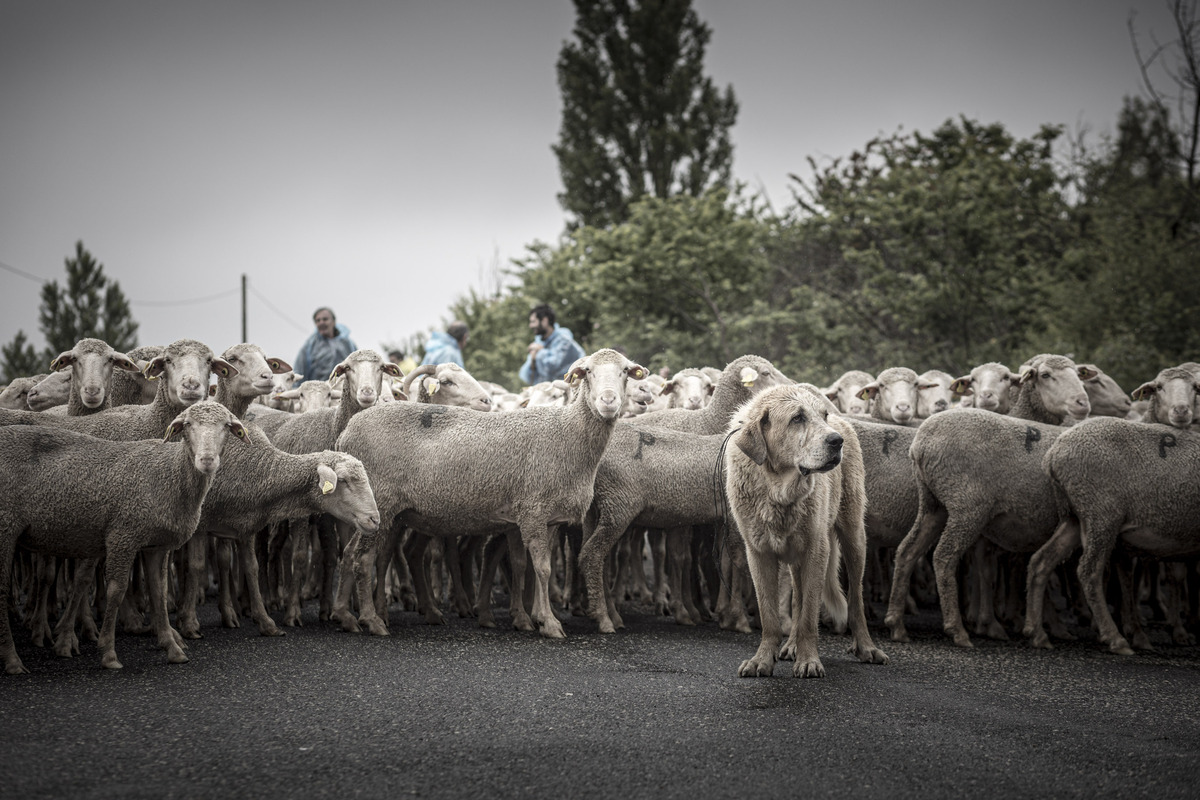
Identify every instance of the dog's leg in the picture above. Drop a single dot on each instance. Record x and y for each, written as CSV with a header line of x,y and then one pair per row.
x,y
764,571
808,582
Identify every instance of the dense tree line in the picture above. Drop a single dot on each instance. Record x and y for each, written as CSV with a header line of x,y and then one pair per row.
x,y
940,250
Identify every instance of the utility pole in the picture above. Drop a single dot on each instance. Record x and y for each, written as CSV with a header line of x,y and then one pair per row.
x,y
245,338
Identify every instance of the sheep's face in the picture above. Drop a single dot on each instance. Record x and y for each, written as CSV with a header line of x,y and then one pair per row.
x,y
602,377
346,491
16,395
1059,383
787,429
205,427
451,385
53,390
689,389
754,373
549,393
185,368
894,394
1105,396
844,393
92,362
363,372
933,393
988,386
1174,394
255,371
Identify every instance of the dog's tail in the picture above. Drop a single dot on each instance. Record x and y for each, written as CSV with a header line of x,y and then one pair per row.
x,y
834,595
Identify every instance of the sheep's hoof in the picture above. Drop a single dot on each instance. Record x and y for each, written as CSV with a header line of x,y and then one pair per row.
x,y
605,626
486,620
434,617
961,639
13,666
66,645
292,619
189,628
552,629
617,621
869,654
273,630
756,668
230,619
176,656
1142,642
1039,639
348,622
375,626
522,622
109,661
809,669
1121,648
1181,637
994,630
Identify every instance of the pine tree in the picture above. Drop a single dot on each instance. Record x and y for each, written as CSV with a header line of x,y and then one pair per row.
x,y
89,305
18,358
639,116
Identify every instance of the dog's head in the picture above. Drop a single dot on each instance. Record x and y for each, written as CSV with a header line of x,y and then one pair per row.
x,y
786,428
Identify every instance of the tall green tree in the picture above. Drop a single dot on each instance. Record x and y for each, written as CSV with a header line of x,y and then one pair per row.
x,y
88,305
639,115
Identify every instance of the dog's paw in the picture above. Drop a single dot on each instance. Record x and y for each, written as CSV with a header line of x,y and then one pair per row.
x,y
809,669
756,668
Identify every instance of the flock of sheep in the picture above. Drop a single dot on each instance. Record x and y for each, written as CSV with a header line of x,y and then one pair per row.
x,y
374,488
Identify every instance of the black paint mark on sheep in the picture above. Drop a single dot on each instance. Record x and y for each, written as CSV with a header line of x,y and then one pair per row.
x,y
427,416
1031,435
888,438
1165,441
643,439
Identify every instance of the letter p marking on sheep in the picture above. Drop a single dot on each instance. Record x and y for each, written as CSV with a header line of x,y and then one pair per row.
x,y
888,438
1031,435
1165,441
643,439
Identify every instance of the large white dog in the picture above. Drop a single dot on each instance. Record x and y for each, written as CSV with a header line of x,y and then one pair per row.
x,y
794,480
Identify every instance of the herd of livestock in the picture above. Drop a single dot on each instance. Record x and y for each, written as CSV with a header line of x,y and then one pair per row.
x,y
134,484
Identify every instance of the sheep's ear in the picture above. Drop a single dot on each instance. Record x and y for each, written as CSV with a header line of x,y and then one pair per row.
x,y
927,385
223,367
212,390
962,386
1086,372
667,388
290,394
749,376
154,368
753,441
122,361
238,429
1144,391
175,427
637,372
392,369
297,376
868,392
340,369
575,376
430,385
335,394
63,361
1028,373
327,478
279,366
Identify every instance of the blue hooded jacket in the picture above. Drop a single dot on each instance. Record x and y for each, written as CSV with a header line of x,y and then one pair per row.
x,y
442,348
318,356
559,352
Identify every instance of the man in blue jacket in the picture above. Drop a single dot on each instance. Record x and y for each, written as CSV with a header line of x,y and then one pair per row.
x,y
553,349
325,349
443,348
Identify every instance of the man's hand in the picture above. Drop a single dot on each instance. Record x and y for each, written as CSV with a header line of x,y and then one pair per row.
x,y
534,349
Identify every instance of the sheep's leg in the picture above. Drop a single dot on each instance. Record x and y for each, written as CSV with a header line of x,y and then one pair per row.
x,y
157,564
924,533
387,539
458,593
132,609
1131,616
658,551
1041,565
468,555
764,571
1098,545
225,603
363,549
987,558
960,534
297,536
521,619
593,555
577,603
639,589
348,575
39,621
493,550
9,531
706,567
427,605
118,565
610,597
677,544
331,545
536,537
556,558
1175,579
258,610
193,585
404,578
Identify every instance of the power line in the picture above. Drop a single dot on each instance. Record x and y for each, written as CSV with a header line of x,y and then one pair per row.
x,y
190,302
278,313
20,272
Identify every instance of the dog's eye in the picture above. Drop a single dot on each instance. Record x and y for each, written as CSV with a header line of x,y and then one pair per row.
x,y
798,419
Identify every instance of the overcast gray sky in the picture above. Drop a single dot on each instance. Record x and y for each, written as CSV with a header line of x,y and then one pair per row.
x,y
381,157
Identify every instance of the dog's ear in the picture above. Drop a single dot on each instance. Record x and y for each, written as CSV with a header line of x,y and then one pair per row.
x,y
753,441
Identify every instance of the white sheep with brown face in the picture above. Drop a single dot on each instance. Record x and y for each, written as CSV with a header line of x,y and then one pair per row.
x,y
794,483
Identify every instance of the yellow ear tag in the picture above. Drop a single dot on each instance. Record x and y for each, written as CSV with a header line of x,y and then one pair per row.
x,y
326,487
748,384
434,388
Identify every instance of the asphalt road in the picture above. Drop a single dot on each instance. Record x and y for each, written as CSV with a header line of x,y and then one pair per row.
x,y
656,710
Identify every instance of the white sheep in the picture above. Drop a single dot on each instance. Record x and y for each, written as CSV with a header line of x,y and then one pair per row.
x,y
988,387
844,393
67,494
933,393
